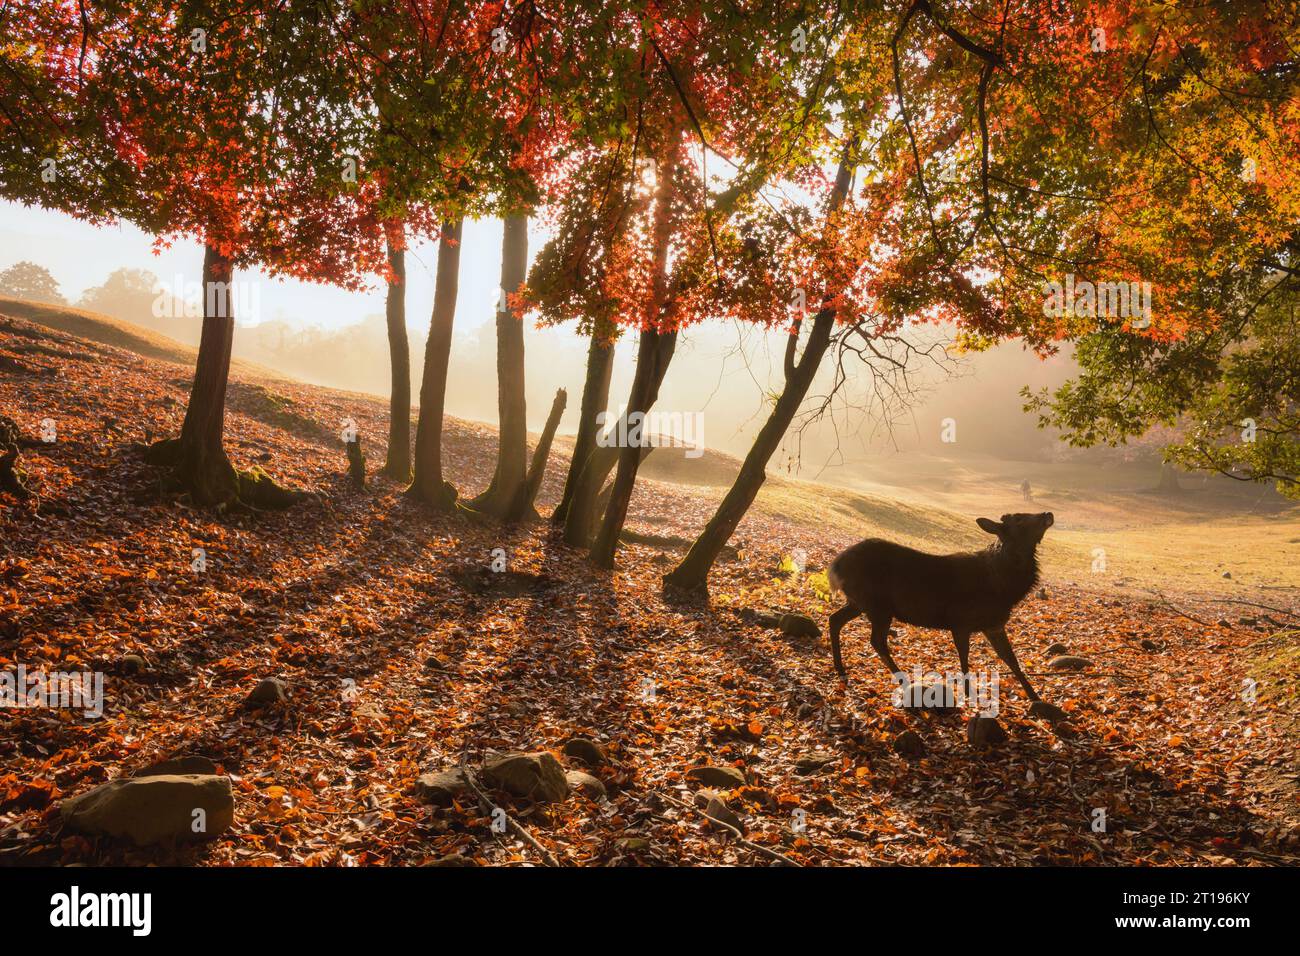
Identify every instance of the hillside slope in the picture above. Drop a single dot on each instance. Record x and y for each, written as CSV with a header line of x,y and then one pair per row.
x,y
403,652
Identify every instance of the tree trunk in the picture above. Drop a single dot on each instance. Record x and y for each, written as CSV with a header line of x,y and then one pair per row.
x,y
427,483
512,414
398,463
584,476
654,353
523,504
692,573
201,462
1169,480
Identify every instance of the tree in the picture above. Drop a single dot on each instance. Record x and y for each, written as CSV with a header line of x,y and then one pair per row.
x,y
398,463
204,122
1196,199
127,294
27,280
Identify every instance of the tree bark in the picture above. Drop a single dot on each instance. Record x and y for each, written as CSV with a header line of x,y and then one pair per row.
x,y
522,506
201,462
654,352
427,483
580,486
397,465
692,573
512,413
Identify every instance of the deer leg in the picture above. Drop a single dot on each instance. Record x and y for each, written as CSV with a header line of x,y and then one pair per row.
x,y
962,640
841,617
1002,647
880,641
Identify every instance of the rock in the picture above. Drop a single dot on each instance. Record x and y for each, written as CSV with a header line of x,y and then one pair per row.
x,y
588,751
799,625
984,732
179,765
718,810
1227,574
723,778
536,776
133,664
813,763
931,693
1049,712
909,744
1067,662
1150,645
441,788
1057,649
589,785
156,809
703,796
270,690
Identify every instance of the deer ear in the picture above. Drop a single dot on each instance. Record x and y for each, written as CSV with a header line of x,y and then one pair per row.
x,y
989,525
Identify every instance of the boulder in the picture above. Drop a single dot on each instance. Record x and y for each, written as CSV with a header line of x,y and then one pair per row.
x,y
909,744
270,690
722,778
154,809
441,787
178,765
1057,649
799,625
1068,662
588,751
984,732
589,785
536,776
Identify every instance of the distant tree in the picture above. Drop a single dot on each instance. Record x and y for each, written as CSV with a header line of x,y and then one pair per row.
x,y
27,280
127,294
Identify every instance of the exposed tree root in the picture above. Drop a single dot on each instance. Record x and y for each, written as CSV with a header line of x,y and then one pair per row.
x,y
253,488
257,489
11,478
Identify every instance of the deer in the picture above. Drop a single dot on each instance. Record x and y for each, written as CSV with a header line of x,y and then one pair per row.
x,y
962,593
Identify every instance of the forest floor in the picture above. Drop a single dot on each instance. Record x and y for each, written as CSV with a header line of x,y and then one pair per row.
x,y
404,653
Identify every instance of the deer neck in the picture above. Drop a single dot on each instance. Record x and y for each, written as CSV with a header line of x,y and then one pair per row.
x,y
1015,570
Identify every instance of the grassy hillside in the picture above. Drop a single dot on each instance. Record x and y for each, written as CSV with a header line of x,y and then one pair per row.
x,y
97,327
